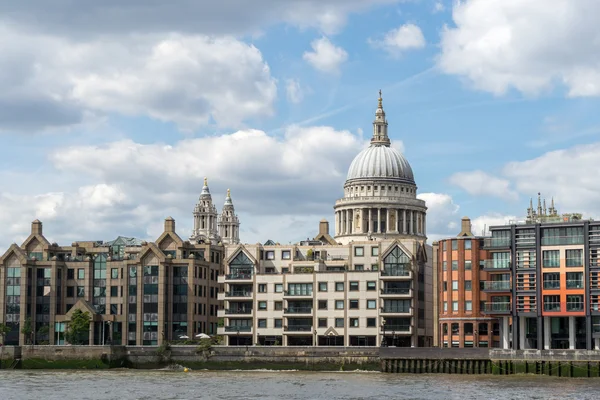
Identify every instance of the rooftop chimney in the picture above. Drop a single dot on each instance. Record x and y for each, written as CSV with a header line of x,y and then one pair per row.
x,y
465,226
169,224
36,227
323,227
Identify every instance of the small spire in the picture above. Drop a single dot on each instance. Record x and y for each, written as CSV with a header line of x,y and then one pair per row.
x,y
228,198
205,181
228,193
380,104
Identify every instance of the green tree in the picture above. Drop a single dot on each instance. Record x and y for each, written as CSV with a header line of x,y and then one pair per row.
x,y
79,327
4,329
27,330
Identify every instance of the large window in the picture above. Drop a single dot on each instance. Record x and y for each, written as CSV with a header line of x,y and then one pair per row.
x,y
552,280
300,289
574,258
551,258
241,266
562,236
396,263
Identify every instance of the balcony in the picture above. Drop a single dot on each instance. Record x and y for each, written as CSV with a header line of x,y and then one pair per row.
x,y
562,240
238,293
238,277
574,306
552,284
236,329
395,291
552,306
396,272
298,310
396,310
287,293
497,286
496,265
299,328
396,329
238,311
497,243
574,283
493,307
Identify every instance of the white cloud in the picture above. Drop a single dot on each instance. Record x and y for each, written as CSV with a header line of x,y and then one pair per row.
x,y
480,183
325,57
525,44
442,215
294,92
438,7
97,192
405,37
188,80
480,226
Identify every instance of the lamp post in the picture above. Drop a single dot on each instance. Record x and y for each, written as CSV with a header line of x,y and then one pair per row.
x,y
476,337
383,343
315,333
393,338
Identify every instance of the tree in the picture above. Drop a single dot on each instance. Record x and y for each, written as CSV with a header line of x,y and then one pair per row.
x,y
27,330
4,329
79,327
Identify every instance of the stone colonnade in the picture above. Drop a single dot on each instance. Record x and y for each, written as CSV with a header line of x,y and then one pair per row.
x,y
380,220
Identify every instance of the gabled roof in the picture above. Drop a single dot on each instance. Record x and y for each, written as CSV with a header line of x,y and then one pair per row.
x,y
152,248
17,251
393,245
40,238
269,243
331,332
82,305
174,236
326,237
241,248
124,241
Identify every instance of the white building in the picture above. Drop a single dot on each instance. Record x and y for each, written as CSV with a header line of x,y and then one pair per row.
x,y
372,280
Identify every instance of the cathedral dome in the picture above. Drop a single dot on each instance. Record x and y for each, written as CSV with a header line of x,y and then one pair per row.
x,y
380,162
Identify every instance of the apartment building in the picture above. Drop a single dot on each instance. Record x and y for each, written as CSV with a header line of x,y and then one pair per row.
x,y
545,274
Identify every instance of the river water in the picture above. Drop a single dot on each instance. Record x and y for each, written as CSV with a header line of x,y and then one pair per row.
x,y
240,385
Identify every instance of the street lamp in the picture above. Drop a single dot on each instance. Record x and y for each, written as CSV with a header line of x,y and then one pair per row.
x,y
383,343
315,333
476,337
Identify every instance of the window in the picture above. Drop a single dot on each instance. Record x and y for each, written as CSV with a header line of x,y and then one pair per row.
x,y
371,304
278,305
114,309
322,304
371,322
374,267
262,288
339,322
468,285
575,302
322,286
70,291
574,280
445,306
574,258
286,255
70,273
322,322
339,286
444,265
454,306
339,304
270,255
278,323
374,251
454,265
262,305
262,323
359,267
445,284
353,322
114,273
359,251
455,244
353,286
468,305
552,303
300,289
468,327
81,273
551,258
353,304
552,280
468,265
80,291
454,285
114,291
468,244
371,285
278,287
444,246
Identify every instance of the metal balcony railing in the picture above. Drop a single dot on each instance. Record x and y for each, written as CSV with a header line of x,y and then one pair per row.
x,y
496,242
298,310
238,293
238,328
574,283
497,307
396,328
292,293
396,310
496,285
574,306
562,240
393,290
396,272
496,264
238,311
238,276
552,306
299,328
552,284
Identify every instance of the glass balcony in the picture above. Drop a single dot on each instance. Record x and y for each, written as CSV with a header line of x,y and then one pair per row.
x,y
562,240
239,276
552,306
496,264
497,307
238,328
238,293
299,328
238,311
298,310
293,293
396,310
574,283
396,328
574,306
393,290
551,284
395,272
496,242
497,285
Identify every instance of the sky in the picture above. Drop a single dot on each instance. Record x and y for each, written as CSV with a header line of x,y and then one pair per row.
x,y
112,113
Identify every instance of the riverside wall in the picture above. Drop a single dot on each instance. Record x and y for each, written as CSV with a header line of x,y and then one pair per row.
x,y
564,363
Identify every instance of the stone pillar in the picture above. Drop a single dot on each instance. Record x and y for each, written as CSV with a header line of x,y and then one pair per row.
x,y
522,338
505,332
370,221
336,224
424,224
387,220
596,343
571,333
346,225
379,220
404,221
547,327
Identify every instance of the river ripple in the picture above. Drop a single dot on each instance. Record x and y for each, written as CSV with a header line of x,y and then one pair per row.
x,y
238,385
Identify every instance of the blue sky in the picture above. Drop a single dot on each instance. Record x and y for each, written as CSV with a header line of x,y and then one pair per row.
x,y
111,115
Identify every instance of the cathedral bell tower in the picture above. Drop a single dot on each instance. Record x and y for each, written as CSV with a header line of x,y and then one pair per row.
x,y
205,218
229,224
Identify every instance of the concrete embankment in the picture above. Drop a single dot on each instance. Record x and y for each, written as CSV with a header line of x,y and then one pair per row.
x,y
565,363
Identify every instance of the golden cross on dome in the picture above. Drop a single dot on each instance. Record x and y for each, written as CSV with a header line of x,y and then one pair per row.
x,y
380,100
205,181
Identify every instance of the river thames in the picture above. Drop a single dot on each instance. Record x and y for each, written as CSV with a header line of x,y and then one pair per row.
x,y
238,385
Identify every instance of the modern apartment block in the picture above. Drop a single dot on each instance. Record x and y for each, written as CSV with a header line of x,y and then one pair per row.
x,y
461,290
544,274
137,293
